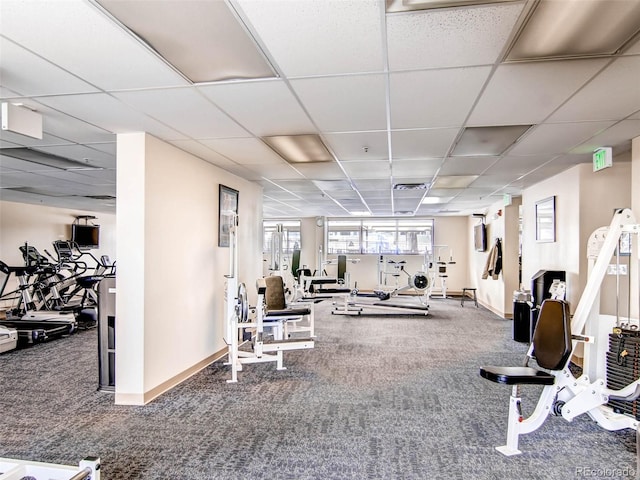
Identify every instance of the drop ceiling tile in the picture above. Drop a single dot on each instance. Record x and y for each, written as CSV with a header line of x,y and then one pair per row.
x,y
318,37
437,98
76,177
64,126
280,195
449,38
17,164
572,159
372,185
557,138
264,108
28,74
86,44
445,192
61,127
9,138
494,182
110,114
612,95
426,143
185,110
342,104
418,169
201,151
244,151
106,147
473,193
409,194
297,186
104,176
321,171
405,204
454,181
517,165
83,154
619,135
351,146
526,93
367,169
275,172
467,165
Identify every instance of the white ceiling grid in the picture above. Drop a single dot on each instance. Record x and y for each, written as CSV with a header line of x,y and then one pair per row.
x,y
389,94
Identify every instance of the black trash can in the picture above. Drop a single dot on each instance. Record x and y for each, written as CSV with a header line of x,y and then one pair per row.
x,y
522,316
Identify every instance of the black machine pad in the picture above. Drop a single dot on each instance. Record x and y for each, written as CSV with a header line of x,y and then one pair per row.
x,y
517,376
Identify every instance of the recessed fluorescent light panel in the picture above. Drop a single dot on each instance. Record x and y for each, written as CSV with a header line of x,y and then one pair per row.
x,y
434,200
205,41
491,141
454,181
408,5
576,28
300,148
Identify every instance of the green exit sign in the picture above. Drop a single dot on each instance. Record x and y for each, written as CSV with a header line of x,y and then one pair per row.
x,y
602,158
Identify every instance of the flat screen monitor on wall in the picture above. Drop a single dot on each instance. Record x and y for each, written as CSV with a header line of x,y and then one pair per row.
x,y
86,236
480,237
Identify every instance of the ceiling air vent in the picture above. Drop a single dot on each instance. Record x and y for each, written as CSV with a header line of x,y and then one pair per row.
x,y
410,186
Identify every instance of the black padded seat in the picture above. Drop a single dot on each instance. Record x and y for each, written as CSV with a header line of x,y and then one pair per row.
x,y
288,312
517,376
324,281
333,290
551,347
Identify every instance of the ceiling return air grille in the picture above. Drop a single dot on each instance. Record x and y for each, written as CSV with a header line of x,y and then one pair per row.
x,y
410,186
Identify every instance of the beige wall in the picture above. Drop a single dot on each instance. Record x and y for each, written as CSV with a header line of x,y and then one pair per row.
x,y
40,225
502,222
584,201
170,291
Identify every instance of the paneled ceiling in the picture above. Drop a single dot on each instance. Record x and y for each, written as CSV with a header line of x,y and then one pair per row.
x,y
396,97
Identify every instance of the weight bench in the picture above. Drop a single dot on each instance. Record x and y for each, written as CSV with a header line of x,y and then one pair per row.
x,y
287,316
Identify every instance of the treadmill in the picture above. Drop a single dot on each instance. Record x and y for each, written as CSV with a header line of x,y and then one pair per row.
x,y
32,326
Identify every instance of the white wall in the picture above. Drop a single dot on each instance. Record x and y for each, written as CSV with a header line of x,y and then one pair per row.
x,y
40,225
564,253
502,222
584,201
170,290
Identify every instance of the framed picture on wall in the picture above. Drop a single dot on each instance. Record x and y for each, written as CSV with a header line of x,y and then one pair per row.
x,y
228,200
546,220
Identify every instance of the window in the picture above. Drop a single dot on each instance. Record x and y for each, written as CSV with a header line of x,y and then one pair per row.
x,y
290,235
384,235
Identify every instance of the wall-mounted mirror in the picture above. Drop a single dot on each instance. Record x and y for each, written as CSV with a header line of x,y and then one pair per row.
x,y
546,220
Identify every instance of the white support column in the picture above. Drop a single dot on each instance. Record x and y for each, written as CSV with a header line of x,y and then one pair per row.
x,y
130,252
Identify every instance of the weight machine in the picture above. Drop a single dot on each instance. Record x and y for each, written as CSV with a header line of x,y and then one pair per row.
x,y
555,339
442,266
419,283
10,469
239,326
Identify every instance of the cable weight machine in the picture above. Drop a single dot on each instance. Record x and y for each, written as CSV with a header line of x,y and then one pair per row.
x,y
241,328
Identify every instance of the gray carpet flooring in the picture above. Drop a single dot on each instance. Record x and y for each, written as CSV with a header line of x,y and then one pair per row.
x,y
380,397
